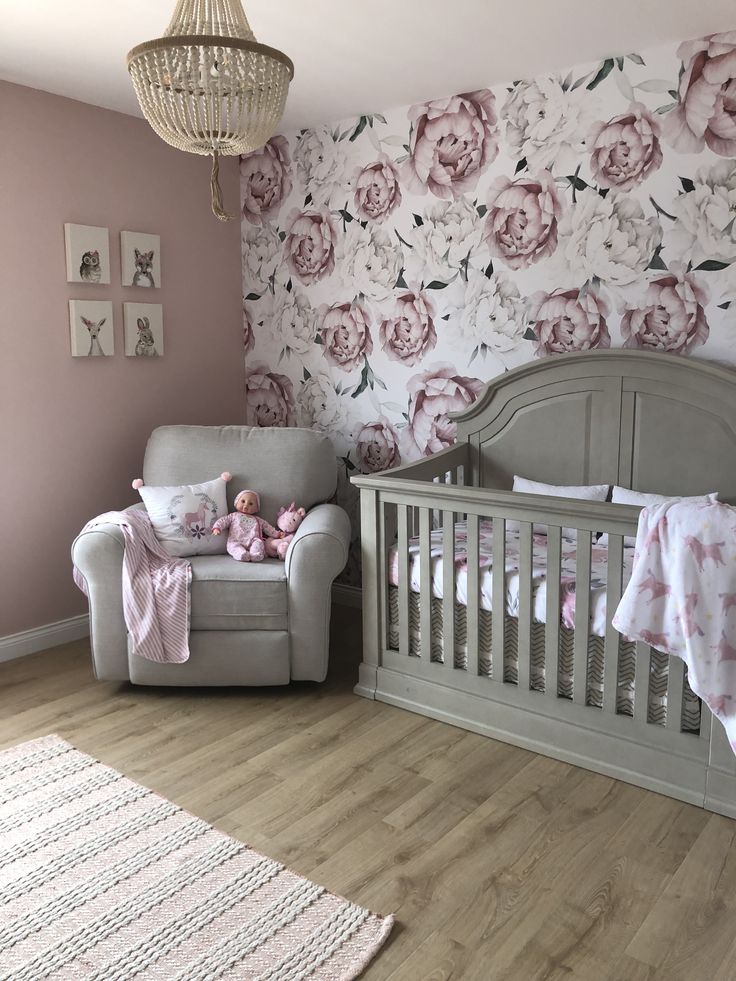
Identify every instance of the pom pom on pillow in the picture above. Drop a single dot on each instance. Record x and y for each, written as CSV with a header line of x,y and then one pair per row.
x,y
226,475
137,483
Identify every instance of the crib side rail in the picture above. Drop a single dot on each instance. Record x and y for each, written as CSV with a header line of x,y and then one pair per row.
x,y
393,510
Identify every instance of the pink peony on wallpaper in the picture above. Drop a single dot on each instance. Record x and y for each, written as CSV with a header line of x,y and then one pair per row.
x,y
393,264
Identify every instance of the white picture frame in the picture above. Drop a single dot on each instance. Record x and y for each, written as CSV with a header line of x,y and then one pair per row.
x,y
140,259
87,254
91,328
144,330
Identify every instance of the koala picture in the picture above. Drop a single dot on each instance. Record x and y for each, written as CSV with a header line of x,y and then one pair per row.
x,y
140,259
87,254
144,330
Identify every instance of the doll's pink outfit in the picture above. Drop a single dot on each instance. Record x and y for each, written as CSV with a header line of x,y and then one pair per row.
x,y
246,533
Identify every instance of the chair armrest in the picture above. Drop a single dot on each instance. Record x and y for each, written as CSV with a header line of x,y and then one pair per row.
x,y
98,554
318,553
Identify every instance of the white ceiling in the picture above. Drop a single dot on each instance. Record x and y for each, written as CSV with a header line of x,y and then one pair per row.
x,y
350,56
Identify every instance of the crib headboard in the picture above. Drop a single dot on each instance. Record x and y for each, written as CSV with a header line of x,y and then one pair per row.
x,y
652,422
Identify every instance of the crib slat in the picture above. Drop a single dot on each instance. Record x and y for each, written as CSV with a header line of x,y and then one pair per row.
x,y
641,681
552,627
582,618
675,688
525,604
403,545
448,589
498,599
425,584
614,579
472,609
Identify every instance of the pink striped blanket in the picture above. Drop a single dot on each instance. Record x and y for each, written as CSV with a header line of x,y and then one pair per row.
x,y
156,596
681,598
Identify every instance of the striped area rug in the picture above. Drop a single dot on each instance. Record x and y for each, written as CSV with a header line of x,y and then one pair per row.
x,y
102,879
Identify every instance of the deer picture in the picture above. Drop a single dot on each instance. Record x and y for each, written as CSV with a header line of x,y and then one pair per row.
x,y
95,349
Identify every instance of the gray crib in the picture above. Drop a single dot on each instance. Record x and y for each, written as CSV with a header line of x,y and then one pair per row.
x,y
653,422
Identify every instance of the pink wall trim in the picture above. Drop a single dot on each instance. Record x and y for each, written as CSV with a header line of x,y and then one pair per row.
x,y
72,430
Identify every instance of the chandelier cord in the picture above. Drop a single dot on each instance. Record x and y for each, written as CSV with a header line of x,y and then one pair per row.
x,y
218,208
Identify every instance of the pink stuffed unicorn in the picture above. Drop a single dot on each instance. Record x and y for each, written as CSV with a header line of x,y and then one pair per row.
x,y
247,532
288,520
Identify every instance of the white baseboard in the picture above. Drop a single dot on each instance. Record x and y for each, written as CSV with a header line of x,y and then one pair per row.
x,y
39,638
347,595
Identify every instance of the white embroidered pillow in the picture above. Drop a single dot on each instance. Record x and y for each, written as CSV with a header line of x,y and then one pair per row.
x,y
587,492
182,517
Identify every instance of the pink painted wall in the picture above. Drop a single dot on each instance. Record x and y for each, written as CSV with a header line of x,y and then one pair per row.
x,y
73,430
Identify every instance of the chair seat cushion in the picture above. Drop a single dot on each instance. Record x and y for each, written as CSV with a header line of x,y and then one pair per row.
x,y
230,595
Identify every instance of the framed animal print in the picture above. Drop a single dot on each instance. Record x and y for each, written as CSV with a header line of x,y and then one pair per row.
x,y
144,330
87,254
140,259
91,328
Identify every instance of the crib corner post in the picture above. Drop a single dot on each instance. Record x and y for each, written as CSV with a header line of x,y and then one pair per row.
x,y
371,557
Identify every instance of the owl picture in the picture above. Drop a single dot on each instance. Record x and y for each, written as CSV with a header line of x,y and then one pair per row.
x,y
89,270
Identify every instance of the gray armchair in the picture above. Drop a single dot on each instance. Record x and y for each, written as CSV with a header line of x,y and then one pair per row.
x,y
262,623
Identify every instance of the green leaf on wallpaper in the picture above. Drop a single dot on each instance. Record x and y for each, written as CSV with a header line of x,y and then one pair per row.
x,y
520,165
482,209
724,306
579,82
318,339
362,122
282,236
661,110
673,92
380,383
568,82
636,58
620,64
401,283
379,117
603,72
529,335
445,317
687,184
306,375
473,356
712,265
349,465
253,296
489,270
363,384
657,262
403,240
307,200
345,215
436,285
418,220
577,182
289,286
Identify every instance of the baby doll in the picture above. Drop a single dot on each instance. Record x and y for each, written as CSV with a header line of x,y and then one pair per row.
x,y
246,531
288,520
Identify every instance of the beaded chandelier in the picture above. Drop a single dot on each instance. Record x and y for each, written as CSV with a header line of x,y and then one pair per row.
x,y
207,86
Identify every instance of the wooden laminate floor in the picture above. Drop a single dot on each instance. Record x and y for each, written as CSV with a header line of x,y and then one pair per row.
x,y
500,865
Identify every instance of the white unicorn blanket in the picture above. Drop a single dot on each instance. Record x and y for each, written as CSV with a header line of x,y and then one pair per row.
x,y
681,598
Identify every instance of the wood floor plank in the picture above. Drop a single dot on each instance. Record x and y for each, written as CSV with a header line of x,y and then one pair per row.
x,y
499,864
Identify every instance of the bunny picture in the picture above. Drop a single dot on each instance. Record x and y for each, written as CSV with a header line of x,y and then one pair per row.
x,y
146,345
144,330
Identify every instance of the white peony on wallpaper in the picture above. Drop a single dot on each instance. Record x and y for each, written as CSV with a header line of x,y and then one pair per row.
x,y
393,264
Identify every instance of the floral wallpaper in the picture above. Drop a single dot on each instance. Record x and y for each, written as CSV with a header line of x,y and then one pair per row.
x,y
393,264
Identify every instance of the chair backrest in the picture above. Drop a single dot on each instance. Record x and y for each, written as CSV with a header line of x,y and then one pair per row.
x,y
281,464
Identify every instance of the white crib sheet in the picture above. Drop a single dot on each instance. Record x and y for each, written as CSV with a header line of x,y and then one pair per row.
x,y
599,566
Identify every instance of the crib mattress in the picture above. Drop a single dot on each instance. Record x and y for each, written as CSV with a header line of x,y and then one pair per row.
x,y
599,565
658,666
